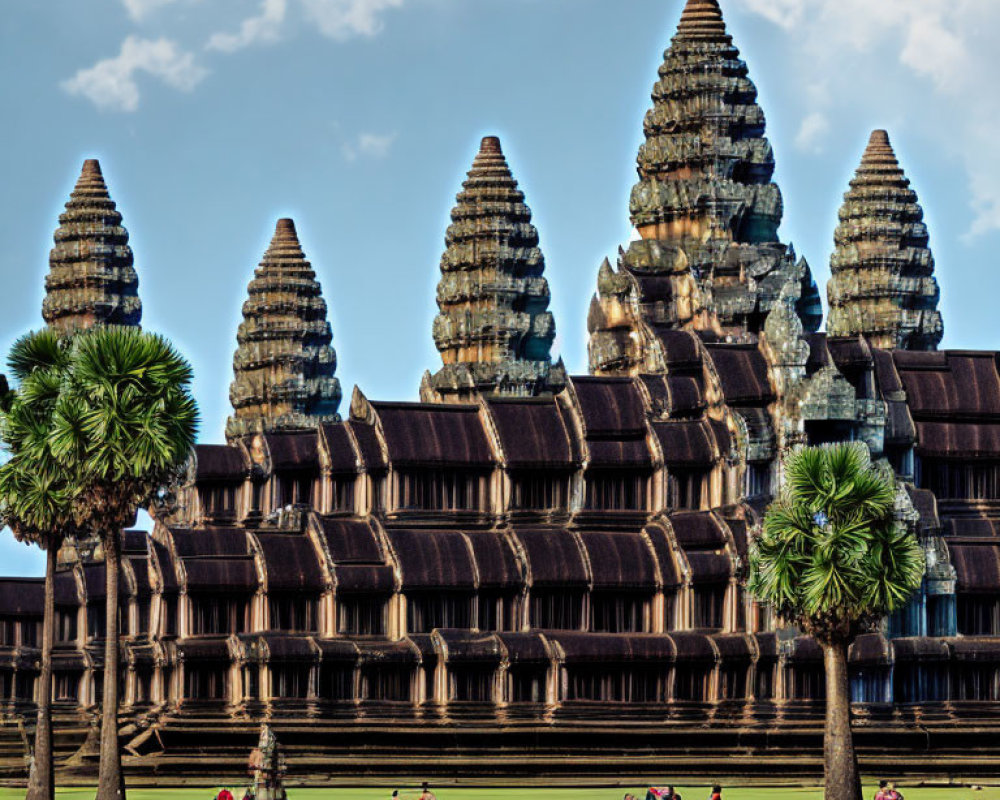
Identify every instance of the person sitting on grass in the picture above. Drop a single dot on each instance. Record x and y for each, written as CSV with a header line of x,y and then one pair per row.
x,y
883,791
893,794
716,793
224,794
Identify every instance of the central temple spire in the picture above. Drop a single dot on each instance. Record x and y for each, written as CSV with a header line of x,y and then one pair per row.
x,y
494,330
704,190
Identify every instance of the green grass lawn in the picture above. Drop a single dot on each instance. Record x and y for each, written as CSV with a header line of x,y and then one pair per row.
x,y
408,793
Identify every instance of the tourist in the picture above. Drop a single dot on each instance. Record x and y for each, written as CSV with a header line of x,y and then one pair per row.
x,y
893,794
224,794
426,793
248,794
716,793
883,791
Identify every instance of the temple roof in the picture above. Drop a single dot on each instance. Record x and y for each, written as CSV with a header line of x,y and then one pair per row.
x,y
284,365
882,284
91,280
494,331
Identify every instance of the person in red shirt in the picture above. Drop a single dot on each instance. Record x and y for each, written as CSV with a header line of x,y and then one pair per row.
x,y
225,794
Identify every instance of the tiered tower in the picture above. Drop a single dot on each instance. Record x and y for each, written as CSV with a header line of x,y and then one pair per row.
x,y
91,280
705,207
494,331
284,365
882,283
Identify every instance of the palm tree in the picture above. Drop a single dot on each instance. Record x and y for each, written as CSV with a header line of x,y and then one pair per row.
x,y
833,561
124,423
36,503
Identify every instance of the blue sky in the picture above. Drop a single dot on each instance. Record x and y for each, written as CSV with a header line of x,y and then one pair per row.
x,y
359,119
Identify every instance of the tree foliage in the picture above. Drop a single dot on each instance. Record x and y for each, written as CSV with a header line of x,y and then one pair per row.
x,y
831,557
37,492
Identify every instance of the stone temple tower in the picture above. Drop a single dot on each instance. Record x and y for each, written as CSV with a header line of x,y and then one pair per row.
x,y
882,283
494,330
284,365
705,208
91,280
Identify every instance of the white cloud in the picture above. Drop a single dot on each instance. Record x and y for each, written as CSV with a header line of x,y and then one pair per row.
x,y
110,84
342,19
369,145
812,132
262,29
882,59
137,9
785,13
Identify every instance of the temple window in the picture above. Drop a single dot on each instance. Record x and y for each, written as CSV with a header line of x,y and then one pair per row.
x,y
805,682
206,682
557,609
342,493
961,480
497,611
870,685
96,622
941,615
168,609
526,683
758,479
336,683
66,621
143,610
66,687
733,680
763,685
143,686
426,611
290,680
218,501
8,631
219,614
292,612
539,490
387,682
918,683
294,488
251,682
685,488
615,684
24,685
619,612
975,681
692,682
978,615
471,684
708,603
440,490
361,615
617,490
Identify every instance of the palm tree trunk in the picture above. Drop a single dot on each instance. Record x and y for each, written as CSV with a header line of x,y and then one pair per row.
x,y
41,782
110,784
842,780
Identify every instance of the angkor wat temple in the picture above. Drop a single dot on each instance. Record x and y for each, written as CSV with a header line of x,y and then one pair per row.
x,y
535,574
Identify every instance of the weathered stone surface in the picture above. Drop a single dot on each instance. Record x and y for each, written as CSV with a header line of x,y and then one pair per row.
x,y
91,280
882,283
704,188
494,330
284,365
